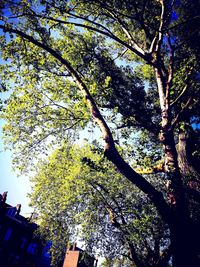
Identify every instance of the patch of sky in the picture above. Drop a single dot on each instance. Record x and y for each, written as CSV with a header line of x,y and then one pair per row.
x,y
17,188
174,16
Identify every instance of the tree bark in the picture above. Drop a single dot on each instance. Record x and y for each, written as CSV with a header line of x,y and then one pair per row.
x,y
181,230
177,216
184,157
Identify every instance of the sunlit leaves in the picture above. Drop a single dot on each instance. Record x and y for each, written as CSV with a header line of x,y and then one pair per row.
x,y
92,46
79,186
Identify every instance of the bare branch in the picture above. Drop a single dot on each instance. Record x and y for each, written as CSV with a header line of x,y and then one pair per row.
x,y
136,49
185,88
127,33
170,72
156,43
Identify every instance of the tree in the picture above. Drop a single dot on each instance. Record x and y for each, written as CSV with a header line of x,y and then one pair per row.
x,y
78,193
38,39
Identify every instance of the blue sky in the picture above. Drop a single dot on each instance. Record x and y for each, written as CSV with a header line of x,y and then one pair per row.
x,y
17,187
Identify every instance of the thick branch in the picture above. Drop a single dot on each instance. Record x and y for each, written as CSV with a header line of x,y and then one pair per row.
x,y
161,89
137,50
156,43
171,67
127,33
110,150
170,74
186,87
133,254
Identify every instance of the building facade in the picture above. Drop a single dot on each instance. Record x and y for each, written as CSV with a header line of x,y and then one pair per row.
x,y
76,257
19,246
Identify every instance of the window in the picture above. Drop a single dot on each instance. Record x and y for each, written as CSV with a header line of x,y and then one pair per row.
x,y
32,248
23,242
11,212
8,234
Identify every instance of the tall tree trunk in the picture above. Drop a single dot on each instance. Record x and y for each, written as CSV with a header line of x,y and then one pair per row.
x,y
184,156
181,233
167,139
191,230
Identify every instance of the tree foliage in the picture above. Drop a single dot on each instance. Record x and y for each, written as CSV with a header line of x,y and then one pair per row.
x,y
82,195
129,68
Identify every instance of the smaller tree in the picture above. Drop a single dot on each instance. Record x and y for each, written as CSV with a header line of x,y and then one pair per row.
x,y
78,193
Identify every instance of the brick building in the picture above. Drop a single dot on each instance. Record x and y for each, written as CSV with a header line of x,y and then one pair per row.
x,y
76,257
19,246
